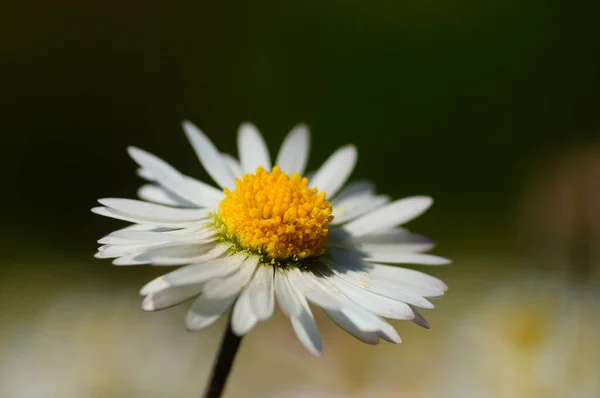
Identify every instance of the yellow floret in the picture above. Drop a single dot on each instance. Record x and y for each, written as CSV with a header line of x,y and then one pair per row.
x,y
277,214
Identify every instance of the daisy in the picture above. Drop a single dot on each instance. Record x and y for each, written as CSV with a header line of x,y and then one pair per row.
x,y
268,232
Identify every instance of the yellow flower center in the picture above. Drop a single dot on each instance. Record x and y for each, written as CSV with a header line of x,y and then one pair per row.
x,y
277,215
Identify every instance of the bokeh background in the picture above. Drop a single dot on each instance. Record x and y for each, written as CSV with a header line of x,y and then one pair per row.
x,y
489,107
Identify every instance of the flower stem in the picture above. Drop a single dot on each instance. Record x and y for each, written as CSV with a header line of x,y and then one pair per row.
x,y
221,369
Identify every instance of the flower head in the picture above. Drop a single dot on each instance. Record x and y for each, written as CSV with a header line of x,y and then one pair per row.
x,y
277,215
271,232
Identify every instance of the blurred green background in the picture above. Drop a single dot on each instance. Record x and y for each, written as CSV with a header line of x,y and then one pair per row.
x,y
489,107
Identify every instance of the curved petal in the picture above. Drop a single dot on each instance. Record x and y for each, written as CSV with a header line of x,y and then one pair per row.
x,y
286,296
354,189
391,215
394,235
314,289
306,328
112,213
344,322
234,165
177,256
153,211
402,257
204,312
243,318
211,159
356,206
187,188
157,194
293,154
375,303
261,293
170,296
374,248
405,275
252,149
335,171
197,273
232,284
389,290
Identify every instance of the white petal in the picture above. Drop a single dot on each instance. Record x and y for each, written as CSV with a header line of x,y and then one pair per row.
x,y
335,171
234,165
114,238
391,236
252,149
375,303
388,333
242,318
353,267
107,212
261,293
353,207
342,320
156,194
405,258
111,251
211,159
185,187
409,276
206,195
170,296
393,214
129,236
286,296
197,273
153,211
354,189
232,284
131,241
183,257
316,289
204,312
362,318
389,287
130,259
293,154
154,285
375,248
306,329
386,289
145,174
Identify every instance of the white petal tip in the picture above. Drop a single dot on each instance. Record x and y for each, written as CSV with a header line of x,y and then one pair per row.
x,y
154,286
136,152
105,201
301,127
189,128
147,304
247,126
442,261
351,150
239,331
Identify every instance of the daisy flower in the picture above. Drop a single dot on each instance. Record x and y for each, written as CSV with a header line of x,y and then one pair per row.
x,y
268,232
